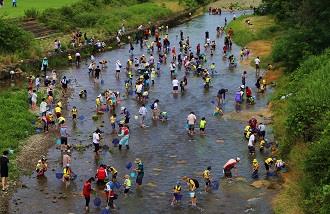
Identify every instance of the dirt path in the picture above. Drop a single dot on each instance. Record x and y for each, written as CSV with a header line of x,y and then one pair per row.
x,y
263,115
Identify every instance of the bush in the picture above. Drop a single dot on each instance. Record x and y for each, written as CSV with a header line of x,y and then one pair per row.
x,y
31,13
13,38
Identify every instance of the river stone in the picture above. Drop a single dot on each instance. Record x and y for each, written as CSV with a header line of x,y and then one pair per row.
x,y
157,169
260,184
220,141
181,162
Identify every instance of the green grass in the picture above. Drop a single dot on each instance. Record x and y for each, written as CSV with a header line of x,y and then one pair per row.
x,y
22,5
15,119
262,28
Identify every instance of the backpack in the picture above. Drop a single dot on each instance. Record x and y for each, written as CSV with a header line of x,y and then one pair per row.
x,y
196,183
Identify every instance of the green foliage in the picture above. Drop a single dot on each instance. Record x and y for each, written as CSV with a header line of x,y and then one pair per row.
x,y
102,15
15,118
307,115
308,31
193,3
12,38
31,13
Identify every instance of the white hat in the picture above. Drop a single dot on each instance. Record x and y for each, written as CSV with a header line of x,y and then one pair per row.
x,y
123,108
238,159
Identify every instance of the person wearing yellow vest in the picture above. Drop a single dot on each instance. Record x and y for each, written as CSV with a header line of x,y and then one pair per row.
x,y
255,168
192,186
268,163
127,184
207,178
176,194
114,173
67,175
74,112
58,111
69,58
202,125
98,103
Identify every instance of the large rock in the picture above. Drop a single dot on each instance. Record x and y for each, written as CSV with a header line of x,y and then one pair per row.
x,y
260,184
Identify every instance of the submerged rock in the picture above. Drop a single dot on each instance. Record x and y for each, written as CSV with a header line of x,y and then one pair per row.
x,y
260,184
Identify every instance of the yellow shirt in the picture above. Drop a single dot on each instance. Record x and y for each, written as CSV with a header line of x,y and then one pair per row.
x,y
202,124
58,110
112,119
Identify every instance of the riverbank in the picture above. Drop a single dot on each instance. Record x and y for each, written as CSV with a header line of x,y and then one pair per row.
x,y
259,37
130,14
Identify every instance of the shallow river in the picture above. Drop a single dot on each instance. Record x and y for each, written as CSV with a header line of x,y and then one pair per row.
x,y
166,150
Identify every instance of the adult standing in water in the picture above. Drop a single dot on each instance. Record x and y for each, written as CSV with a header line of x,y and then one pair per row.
x,y
96,141
4,161
191,120
140,171
231,164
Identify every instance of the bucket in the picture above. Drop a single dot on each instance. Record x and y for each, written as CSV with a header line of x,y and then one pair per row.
x,y
215,185
59,175
191,194
97,202
178,197
58,141
129,165
115,141
105,211
132,174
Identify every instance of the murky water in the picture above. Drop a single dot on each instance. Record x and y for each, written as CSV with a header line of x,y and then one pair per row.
x,y
166,150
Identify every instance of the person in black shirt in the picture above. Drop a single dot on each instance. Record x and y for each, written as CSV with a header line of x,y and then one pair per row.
x,y
97,73
221,96
4,170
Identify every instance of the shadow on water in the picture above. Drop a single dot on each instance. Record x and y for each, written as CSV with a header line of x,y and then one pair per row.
x,y
168,153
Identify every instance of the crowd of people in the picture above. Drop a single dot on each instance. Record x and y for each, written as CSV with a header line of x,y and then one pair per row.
x,y
140,76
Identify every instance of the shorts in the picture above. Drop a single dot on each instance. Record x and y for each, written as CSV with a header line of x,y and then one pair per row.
x,y
58,114
117,71
139,94
139,179
257,66
65,86
266,166
97,147
64,140
191,127
227,173
207,182
175,88
251,149
113,125
74,116
126,190
202,129
192,194
97,77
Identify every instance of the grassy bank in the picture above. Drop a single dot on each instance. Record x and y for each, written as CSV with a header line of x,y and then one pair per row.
x,y
15,124
259,36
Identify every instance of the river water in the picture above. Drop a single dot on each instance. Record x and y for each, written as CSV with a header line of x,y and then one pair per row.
x,y
166,150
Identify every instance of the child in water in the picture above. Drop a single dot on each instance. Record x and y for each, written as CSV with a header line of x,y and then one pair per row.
x,y
202,126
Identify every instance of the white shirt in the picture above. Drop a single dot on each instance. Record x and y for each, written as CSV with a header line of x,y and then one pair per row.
x,y
191,119
118,65
262,127
175,82
37,81
43,107
96,138
155,106
143,111
251,140
139,88
257,61
77,54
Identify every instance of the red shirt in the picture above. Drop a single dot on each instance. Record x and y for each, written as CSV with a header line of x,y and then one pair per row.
x,y
87,189
248,92
101,173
